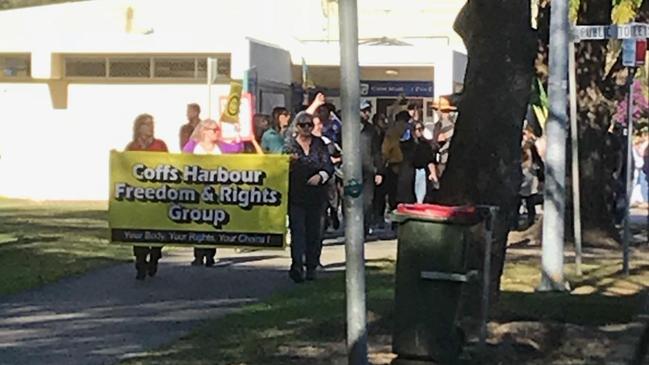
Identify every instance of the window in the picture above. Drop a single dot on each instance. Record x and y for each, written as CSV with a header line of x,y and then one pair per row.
x,y
223,66
175,67
201,69
182,67
129,67
85,67
18,65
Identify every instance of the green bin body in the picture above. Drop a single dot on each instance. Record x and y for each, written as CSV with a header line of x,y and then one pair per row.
x,y
431,269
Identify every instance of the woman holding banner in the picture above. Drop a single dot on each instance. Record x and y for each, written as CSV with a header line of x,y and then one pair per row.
x,y
144,140
206,140
310,170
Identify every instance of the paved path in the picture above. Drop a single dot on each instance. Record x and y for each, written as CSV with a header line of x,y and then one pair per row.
x,y
106,315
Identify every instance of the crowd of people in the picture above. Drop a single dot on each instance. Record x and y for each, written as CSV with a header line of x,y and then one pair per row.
x,y
402,160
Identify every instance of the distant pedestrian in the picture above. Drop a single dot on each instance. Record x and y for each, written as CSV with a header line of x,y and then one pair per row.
x,y
533,176
407,144
193,118
146,257
424,163
335,153
272,141
445,128
371,161
310,169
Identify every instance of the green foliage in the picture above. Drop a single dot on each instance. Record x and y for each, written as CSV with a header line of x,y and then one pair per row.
x,y
574,10
624,11
539,102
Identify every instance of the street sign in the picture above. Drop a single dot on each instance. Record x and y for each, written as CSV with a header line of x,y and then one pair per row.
x,y
628,52
640,51
592,32
633,52
600,32
633,31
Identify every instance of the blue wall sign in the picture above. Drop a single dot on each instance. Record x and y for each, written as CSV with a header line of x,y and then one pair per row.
x,y
397,88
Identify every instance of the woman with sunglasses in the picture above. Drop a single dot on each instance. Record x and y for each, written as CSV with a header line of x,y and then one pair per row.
x,y
144,140
310,169
424,162
205,140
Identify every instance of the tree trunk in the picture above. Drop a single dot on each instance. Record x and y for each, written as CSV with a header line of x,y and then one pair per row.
x,y
594,118
485,152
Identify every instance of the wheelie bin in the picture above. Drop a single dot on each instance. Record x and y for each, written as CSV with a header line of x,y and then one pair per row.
x,y
433,242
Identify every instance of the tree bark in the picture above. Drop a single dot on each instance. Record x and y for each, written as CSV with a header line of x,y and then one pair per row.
x,y
485,152
594,89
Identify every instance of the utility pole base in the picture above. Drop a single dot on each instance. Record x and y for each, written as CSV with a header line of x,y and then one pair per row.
x,y
402,361
548,285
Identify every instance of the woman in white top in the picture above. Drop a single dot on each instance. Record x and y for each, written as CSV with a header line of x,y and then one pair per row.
x,y
206,136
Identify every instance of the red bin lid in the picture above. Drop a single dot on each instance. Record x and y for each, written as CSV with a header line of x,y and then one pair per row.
x,y
438,212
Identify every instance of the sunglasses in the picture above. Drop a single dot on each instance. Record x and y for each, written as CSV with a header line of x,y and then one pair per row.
x,y
305,125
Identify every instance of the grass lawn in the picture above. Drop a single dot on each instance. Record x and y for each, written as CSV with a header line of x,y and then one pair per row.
x,y
43,242
307,324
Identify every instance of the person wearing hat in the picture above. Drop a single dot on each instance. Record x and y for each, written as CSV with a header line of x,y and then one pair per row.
x,y
371,160
443,131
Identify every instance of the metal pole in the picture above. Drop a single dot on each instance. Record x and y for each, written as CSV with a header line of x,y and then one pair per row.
x,y
354,233
210,78
629,173
486,276
574,143
555,167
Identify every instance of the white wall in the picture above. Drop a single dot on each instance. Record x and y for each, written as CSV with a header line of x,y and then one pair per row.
x,y
63,154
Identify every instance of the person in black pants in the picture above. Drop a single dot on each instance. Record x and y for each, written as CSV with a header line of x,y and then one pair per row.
x,y
144,140
310,169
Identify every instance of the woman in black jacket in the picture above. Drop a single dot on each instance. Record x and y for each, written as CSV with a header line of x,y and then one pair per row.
x,y
310,169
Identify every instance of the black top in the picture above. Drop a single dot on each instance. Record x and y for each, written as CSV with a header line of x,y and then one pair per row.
x,y
424,153
303,168
370,147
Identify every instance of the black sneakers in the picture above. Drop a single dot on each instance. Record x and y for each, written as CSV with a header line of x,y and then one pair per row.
x,y
296,275
153,268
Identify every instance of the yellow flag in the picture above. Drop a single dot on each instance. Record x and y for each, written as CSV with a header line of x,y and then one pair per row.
x,y
230,113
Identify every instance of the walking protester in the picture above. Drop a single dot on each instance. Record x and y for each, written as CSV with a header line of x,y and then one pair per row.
x,y
146,257
261,123
406,179
372,163
272,141
391,153
193,118
206,141
424,162
332,125
380,123
446,127
639,192
310,169
317,100
533,176
335,153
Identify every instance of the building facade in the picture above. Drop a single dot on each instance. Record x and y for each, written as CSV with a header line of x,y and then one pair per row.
x,y
74,76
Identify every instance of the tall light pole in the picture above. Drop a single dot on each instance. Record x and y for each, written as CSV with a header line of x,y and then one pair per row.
x,y
354,232
555,165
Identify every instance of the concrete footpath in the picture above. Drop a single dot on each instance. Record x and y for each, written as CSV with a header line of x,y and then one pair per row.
x,y
106,315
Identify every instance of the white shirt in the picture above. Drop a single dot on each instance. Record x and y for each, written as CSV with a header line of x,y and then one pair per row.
x,y
199,150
